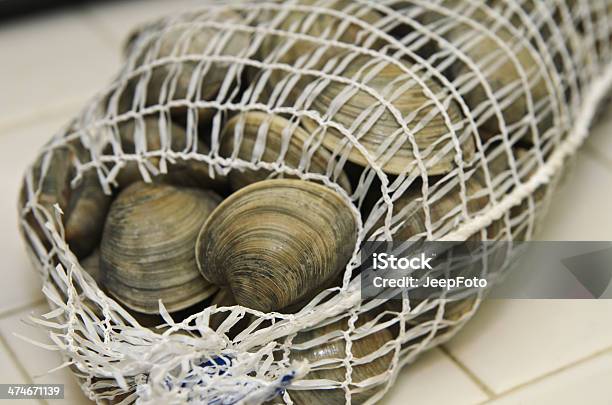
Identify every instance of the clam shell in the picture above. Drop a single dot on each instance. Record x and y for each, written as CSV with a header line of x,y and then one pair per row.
x,y
501,74
84,207
55,185
91,265
455,311
276,130
85,214
379,131
321,26
444,212
183,53
147,249
445,201
334,348
409,223
502,183
155,136
224,298
52,187
276,241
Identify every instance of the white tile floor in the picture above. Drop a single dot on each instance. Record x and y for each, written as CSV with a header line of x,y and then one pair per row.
x,y
512,352
37,361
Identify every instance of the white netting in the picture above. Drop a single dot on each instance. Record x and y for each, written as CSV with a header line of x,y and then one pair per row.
x,y
439,120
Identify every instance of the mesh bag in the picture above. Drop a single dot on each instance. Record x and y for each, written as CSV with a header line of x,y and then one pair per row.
x,y
436,120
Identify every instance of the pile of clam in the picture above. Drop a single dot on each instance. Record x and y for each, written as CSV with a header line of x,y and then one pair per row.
x,y
243,164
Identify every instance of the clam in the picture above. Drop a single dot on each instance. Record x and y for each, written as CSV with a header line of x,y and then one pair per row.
x,y
454,313
91,265
322,28
275,131
445,202
222,298
275,242
154,135
503,70
147,249
331,352
361,112
84,207
183,58
444,212
85,214
445,209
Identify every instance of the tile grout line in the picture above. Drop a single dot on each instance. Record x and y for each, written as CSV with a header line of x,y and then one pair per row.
x,y
20,368
7,347
469,373
11,354
20,308
549,374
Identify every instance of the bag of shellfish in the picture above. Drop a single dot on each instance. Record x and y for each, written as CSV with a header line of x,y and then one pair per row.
x,y
205,226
